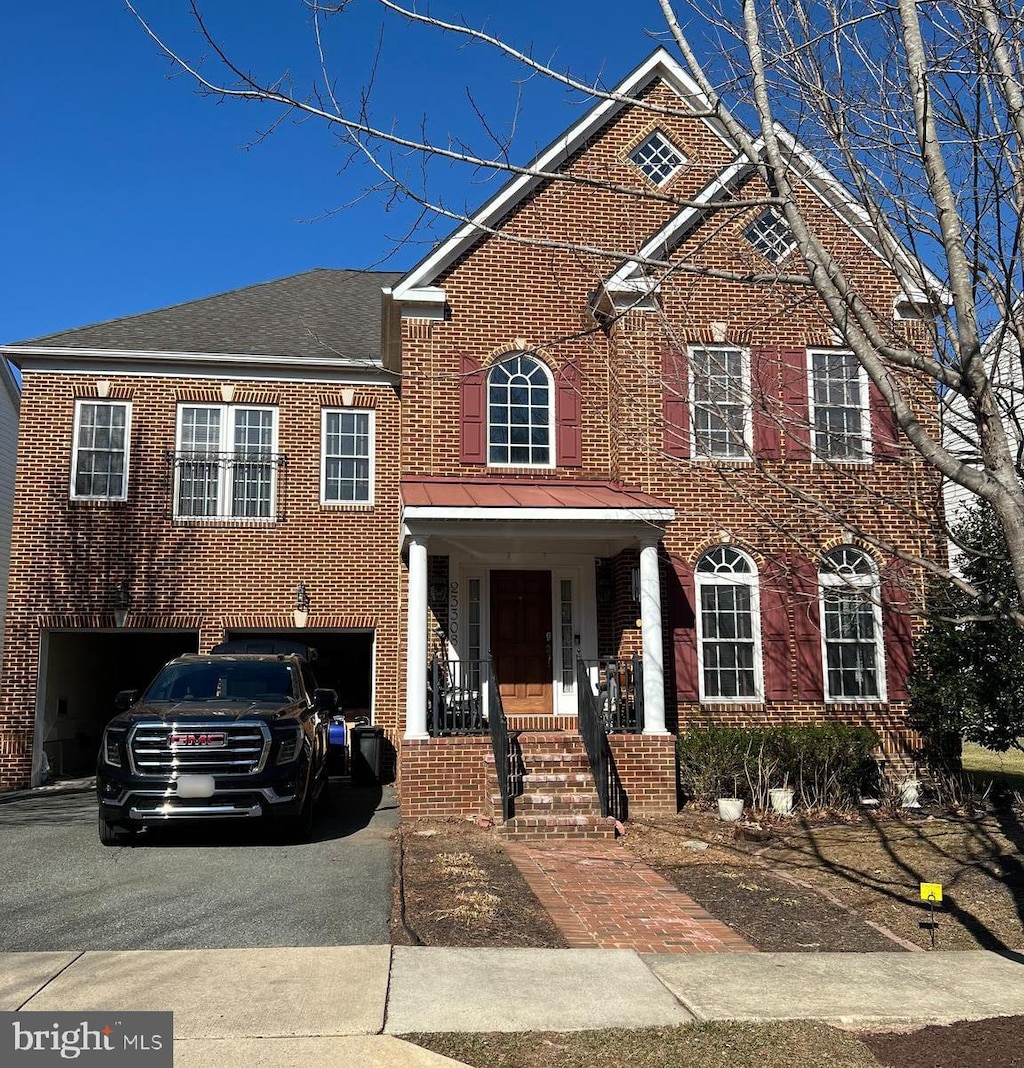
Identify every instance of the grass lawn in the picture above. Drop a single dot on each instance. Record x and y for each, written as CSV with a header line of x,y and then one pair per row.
x,y
716,1045
1004,768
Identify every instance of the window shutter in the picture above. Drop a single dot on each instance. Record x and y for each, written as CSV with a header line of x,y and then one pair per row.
x,y
473,411
775,642
568,430
885,433
764,398
795,403
675,404
897,630
684,630
810,680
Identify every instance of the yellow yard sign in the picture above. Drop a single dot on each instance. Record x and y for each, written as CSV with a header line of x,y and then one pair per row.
x,y
931,892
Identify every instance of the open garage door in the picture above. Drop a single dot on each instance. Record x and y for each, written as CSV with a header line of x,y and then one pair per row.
x,y
80,673
344,661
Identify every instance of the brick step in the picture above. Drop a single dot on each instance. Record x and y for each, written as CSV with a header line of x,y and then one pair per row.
x,y
530,804
544,828
539,781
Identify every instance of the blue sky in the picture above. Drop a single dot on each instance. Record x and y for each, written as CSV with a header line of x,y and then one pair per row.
x,y
124,190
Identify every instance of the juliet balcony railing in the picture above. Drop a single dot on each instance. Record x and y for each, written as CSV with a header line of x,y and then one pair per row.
x,y
245,485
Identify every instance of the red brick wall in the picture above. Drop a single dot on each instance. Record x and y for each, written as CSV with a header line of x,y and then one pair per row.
x,y
646,765
441,777
66,556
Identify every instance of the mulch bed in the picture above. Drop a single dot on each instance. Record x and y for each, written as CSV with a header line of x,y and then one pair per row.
x,y
994,1043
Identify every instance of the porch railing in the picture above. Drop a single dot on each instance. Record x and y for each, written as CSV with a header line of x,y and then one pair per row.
x,y
501,743
619,692
456,696
595,740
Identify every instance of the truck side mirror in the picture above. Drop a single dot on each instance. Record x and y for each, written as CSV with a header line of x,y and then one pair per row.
x,y
125,699
325,700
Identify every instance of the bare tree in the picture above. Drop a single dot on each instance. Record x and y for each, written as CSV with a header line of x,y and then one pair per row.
x,y
916,107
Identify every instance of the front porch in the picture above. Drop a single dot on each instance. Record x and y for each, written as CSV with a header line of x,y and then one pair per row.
x,y
526,597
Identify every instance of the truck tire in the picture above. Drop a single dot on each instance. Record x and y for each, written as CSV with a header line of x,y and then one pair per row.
x,y
112,835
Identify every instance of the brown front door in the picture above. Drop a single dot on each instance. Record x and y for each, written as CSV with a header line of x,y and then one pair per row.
x,y
521,639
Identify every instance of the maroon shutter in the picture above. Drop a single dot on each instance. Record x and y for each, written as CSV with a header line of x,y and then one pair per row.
x,y
568,436
775,644
675,403
898,629
764,396
810,682
795,403
684,630
473,412
884,429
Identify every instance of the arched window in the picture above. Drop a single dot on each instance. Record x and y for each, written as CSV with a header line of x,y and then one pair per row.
x,y
851,626
519,412
728,626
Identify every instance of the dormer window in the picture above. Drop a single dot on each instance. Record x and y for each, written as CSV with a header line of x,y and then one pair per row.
x,y
770,235
657,157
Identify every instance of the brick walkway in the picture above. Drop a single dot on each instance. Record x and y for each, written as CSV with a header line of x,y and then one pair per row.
x,y
601,895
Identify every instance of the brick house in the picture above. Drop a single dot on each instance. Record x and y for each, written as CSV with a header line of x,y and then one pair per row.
x,y
524,485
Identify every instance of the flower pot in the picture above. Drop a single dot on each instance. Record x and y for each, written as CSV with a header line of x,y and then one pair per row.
x,y
730,808
782,800
910,794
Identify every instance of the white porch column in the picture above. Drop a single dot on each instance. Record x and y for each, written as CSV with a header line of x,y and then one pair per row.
x,y
416,642
650,626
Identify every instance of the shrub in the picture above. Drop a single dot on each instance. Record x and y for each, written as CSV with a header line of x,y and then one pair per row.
x,y
828,765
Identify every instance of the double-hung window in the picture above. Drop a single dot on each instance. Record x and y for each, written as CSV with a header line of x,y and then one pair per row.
x,y
851,627
347,456
519,413
226,462
99,464
720,402
728,628
839,410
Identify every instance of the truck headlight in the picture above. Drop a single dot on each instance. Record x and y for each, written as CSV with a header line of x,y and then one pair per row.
x,y
112,747
288,745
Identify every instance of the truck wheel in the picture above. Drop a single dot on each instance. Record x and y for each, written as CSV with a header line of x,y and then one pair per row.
x,y
298,828
110,833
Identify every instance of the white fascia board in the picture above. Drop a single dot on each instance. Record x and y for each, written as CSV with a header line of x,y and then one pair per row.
x,y
837,198
413,513
659,62
427,302
626,279
192,364
10,382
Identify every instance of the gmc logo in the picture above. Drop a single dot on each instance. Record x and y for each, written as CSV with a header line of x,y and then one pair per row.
x,y
193,741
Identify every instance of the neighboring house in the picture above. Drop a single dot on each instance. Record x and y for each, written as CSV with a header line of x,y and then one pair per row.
x,y
559,487
10,400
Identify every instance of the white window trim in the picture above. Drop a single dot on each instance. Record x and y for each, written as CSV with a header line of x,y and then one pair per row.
x,y
777,217
552,416
865,412
127,405
872,582
372,436
753,580
683,158
748,409
226,442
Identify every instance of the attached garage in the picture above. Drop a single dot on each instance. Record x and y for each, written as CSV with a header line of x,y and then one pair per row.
x,y
80,673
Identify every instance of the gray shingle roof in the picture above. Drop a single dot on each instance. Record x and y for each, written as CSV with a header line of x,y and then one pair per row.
x,y
319,313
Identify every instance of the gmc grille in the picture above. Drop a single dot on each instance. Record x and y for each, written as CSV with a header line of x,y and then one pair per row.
x,y
244,750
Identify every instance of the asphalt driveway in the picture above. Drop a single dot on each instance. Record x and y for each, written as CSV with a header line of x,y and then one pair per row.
x,y
193,888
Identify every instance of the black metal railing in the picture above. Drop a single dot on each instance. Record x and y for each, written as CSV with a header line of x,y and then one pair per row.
x,y
456,696
501,744
594,733
246,484
618,688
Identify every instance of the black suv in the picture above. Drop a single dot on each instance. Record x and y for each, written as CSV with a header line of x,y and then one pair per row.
x,y
224,735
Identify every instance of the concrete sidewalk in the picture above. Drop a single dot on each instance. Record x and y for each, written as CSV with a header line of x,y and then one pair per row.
x,y
264,1008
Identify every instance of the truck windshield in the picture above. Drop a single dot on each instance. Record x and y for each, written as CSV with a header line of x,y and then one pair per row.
x,y
228,681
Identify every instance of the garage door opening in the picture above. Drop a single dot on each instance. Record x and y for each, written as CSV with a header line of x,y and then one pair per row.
x,y
80,674
344,661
